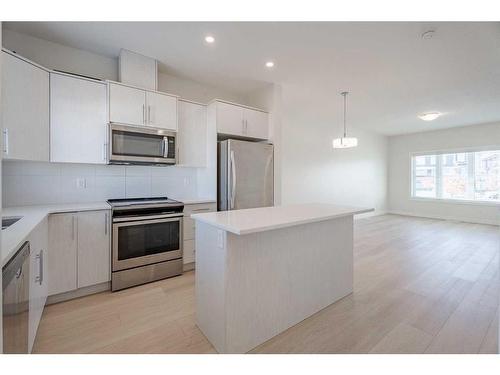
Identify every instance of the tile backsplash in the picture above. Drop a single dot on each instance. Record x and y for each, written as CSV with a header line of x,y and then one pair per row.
x,y
29,183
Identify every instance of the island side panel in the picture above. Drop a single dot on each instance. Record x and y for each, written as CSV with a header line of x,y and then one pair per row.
x,y
210,283
277,278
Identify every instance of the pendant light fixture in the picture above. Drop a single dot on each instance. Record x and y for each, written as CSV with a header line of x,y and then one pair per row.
x,y
345,141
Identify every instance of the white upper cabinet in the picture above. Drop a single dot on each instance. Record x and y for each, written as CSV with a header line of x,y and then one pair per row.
x,y
138,70
161,110
94,255
133,106
25,109
77,120
127,105
192,134
256,124
241,121
230,119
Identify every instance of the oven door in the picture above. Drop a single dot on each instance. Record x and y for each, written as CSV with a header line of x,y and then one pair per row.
x,y
145,241
129,144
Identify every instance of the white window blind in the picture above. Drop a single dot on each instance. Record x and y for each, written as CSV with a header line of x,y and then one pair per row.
x,y
466,176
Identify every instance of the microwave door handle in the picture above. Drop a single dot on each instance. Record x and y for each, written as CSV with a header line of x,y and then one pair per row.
x,y
165,147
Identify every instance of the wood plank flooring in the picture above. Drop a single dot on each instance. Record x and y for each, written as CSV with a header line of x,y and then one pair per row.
x,y
420,286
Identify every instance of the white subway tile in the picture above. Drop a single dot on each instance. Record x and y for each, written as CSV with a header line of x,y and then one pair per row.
x,y
138,187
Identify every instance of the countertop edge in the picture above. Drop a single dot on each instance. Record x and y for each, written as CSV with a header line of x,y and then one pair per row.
x,y
240,232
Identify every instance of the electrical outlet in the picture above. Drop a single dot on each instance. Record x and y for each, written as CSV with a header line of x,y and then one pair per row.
x,y
81,183
220,239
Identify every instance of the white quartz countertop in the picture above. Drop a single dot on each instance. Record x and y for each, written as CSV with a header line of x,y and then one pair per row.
x,y
15,235
268,218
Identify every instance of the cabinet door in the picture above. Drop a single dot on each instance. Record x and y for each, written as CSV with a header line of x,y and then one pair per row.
x,y
161,111
188,252
127,105
77,120
256,124
63,253
94,251
38,289
230,119
25,110
192,134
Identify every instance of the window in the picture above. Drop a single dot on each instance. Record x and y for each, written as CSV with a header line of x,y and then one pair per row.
x,y
471,176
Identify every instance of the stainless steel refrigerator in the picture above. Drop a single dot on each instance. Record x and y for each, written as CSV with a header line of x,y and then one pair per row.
x,y
245,175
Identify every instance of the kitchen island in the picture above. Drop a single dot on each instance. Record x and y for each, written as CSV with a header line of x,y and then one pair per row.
x,y
260,271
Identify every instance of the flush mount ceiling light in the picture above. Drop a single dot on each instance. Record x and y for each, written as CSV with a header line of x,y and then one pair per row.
x,y
345,141
209,39
429,34
429,116
269,64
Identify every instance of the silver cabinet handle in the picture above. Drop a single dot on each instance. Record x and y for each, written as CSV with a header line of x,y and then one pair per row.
x,y
233,180
105,223
73,227
39,278
144,114
5,133
243,126
149,114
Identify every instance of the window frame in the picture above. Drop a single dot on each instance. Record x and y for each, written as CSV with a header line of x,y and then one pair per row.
x,y
470,172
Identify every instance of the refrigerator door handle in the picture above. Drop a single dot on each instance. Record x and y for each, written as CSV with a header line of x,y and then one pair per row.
x,y
233,180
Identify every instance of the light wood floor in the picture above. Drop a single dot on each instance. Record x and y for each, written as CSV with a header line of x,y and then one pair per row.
x,y
420,286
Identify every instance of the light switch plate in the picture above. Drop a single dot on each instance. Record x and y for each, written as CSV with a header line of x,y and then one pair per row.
x,y
81,183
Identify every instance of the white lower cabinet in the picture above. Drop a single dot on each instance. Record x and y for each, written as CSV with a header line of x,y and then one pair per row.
x,y
94,255
189,228
80,251
38,288
63,252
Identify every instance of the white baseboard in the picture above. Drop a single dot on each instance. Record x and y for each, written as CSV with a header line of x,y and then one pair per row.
x,y
79,293
370,214
446,217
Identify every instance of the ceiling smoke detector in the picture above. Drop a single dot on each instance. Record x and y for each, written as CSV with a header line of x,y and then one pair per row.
x,y
429,34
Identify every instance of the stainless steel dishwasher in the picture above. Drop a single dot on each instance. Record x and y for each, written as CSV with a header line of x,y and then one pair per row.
x,y
15,287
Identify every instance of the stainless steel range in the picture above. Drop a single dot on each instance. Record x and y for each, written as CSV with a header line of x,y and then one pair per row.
x,y
146,241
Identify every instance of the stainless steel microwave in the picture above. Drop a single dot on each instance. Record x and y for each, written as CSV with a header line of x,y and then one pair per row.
x,y
141,145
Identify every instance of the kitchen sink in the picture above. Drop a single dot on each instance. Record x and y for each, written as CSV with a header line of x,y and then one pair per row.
x,y
8,221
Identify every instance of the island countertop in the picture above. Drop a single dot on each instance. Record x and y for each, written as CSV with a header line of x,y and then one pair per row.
x,y
261,219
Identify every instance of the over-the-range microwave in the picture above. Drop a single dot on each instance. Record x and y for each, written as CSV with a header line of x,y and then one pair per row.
x,y
141,145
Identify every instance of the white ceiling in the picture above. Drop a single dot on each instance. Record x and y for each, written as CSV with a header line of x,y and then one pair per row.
x,y
392,73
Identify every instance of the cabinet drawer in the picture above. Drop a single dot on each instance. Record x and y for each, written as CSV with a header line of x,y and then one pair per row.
x,y
188,228
188,251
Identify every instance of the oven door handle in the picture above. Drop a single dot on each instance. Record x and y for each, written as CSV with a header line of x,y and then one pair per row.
x,y
146,219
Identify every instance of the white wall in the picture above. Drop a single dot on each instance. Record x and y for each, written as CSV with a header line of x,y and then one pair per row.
x,y
400,148
29,183
312,171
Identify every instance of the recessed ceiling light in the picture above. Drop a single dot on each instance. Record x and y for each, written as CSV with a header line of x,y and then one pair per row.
x,y
429,116
269,64
209,39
